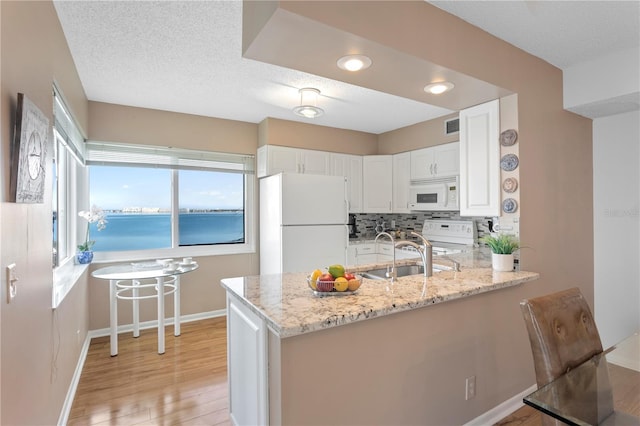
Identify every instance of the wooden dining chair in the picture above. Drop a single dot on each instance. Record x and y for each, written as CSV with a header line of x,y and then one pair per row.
x,y
563,335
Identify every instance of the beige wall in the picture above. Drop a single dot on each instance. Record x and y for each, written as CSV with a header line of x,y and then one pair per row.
x,y
39,346
201,290
274,131
407,368
420,135
118,123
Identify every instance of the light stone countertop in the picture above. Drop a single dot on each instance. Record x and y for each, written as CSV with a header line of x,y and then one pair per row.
x,y
290,308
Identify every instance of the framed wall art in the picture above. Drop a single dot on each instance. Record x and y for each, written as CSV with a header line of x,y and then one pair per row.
x,y
29,153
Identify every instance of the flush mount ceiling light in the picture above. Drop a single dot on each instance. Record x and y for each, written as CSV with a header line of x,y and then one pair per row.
x,y
439,87
309,103
354,62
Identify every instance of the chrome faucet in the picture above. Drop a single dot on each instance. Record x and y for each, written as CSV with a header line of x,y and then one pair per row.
x,y
456,264
390,273
427,254
420,251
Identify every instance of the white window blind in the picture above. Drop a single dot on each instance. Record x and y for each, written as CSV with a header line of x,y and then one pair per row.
x,y
66,130
118,154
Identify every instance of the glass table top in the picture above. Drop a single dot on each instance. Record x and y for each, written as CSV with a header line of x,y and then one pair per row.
x,y
586,394
141,270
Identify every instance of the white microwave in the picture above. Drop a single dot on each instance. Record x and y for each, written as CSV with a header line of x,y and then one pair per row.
x,y
441,194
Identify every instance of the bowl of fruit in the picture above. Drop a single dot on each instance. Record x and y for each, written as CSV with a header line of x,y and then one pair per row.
x,y
335,282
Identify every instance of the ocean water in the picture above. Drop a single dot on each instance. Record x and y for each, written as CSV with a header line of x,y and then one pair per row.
x,y
151,231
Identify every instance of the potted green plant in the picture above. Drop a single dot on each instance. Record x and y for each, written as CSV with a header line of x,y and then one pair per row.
x,y
502,247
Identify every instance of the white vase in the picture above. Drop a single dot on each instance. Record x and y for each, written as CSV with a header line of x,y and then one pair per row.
x,y
502,262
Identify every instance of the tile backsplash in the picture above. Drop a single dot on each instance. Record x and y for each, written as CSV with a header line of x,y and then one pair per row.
x,y
366,222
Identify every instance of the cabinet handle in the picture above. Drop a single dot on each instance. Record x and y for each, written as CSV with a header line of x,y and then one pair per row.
x,y
431,168
435,169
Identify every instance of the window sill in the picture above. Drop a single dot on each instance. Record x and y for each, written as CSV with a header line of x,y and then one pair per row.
x,y
64,278
187,251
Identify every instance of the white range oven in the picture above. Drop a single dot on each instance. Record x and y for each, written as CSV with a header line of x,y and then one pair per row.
x,y
434,195
450,236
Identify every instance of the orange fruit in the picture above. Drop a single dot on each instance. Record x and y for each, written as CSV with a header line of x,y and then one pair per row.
x,y
353,284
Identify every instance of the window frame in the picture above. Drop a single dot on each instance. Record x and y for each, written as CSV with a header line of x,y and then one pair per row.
x,y
68,143
176,251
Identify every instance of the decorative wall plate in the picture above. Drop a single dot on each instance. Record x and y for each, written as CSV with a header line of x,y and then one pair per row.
x,y
508,137
509,162
510,185
509,205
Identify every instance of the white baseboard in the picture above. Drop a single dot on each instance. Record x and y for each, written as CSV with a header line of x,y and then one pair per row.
x,y
71,392
126,328
502,410
627,353
73,386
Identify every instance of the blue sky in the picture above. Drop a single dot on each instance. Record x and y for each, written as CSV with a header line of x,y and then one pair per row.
x,y
120,187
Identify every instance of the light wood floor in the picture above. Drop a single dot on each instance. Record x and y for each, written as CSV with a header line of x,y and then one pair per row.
x,y
185,386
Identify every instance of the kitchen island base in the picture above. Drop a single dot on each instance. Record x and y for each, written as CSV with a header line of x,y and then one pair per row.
x,y
405,368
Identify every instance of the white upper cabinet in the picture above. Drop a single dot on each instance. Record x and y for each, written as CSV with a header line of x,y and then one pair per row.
x,y
274,159
401,182
480,160
349,166
436,161
314,162
377,183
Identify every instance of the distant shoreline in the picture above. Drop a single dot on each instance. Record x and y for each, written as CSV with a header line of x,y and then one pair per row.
x,y
181,211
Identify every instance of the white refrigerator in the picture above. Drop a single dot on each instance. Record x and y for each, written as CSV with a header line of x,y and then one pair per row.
x,y
303,222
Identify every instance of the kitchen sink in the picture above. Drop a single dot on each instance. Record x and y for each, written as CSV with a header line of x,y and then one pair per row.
x,y
401,271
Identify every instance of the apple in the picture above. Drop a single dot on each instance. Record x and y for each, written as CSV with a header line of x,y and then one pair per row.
x,y
326,277
349,276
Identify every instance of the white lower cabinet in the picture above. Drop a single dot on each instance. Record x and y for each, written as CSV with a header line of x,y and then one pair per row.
x,y
366,253
247,365
352,254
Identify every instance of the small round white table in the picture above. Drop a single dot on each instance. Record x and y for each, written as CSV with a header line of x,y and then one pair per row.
x,y
125,282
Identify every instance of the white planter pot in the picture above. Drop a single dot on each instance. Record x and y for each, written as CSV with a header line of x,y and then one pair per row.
x,y
502,262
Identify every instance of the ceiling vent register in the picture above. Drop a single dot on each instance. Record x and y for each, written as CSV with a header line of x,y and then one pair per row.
x,y
452,126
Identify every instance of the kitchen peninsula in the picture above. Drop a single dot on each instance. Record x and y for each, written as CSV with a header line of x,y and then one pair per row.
x,y
372,357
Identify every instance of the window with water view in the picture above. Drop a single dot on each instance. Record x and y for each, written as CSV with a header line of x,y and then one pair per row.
x,y
137,202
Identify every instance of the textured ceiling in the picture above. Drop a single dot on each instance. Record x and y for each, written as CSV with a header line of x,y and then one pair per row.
x,y
563,33
185,56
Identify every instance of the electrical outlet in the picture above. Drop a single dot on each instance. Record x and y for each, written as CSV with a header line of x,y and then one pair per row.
x,y
470,388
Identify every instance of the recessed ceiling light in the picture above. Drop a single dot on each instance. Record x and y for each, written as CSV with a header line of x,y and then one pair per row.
x,y
308,107
439,87
354,62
